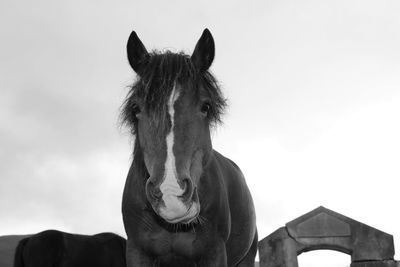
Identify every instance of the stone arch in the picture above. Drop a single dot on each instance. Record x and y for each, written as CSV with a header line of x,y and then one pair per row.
x,y
323,257
325,229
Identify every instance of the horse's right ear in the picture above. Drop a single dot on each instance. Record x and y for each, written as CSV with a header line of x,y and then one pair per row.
x,y
137,53
203,54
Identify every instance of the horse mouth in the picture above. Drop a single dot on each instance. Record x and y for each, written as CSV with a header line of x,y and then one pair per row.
x,y
187,218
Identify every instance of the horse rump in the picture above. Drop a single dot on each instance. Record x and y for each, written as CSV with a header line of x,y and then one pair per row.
x,y
19,257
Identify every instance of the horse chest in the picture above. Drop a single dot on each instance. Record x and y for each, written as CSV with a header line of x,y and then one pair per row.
x,y
164,244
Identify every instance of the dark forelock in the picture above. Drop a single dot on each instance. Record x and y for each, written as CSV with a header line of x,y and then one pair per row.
x,y
156,82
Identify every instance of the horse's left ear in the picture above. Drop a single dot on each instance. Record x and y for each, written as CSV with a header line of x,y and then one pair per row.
x,y
203,54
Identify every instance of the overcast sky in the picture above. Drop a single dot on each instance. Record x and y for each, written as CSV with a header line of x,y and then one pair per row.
x,y
313,88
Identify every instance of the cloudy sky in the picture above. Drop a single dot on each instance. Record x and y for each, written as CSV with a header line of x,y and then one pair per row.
x,y
313,88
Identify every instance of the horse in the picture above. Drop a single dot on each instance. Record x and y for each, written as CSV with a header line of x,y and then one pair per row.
x,y
8,245
52,248
184,204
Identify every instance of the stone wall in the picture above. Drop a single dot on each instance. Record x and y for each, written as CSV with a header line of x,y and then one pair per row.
x,y
326,229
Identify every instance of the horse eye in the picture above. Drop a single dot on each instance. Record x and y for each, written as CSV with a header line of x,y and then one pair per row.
x,y
205,108
135,110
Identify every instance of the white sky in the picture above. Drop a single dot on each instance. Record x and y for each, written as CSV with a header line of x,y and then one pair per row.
x,y
314,97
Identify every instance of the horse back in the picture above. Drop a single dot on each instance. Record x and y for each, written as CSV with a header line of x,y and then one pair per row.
x,y
101,250
114,247
43,249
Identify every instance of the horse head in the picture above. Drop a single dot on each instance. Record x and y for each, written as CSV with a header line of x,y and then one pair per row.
x,y
170,109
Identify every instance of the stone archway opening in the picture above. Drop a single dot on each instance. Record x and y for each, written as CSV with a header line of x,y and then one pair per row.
x,y
326,258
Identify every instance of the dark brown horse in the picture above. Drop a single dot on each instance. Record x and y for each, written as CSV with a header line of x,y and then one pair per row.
x,y
53,248
184,204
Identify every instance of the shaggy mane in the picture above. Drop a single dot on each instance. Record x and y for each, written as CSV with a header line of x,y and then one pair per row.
x,y
156,81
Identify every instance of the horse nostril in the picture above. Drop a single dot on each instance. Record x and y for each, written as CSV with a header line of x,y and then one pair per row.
x,y
187,188
153,192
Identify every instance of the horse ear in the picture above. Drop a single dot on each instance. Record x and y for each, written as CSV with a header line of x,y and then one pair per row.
x,y
137,53
203,54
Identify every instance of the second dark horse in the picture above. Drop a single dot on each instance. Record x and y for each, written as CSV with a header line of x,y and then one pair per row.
x,y
53,248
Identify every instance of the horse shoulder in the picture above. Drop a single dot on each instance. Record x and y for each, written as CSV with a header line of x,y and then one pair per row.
x,y
232,176
242,211
241,204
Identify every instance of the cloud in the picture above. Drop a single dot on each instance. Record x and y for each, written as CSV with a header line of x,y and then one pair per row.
x,y
81,194
350,168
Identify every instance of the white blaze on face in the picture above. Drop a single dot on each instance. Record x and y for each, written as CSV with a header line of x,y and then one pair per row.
x,y
174,208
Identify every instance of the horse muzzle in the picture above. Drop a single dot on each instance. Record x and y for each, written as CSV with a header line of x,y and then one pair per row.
x,y
174,206
175,211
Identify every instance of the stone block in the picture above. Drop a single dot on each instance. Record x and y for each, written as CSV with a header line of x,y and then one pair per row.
x,y
371,244
319,225
389,263
278,249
